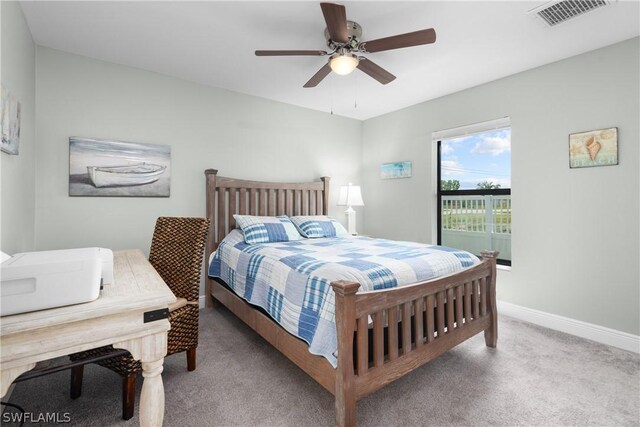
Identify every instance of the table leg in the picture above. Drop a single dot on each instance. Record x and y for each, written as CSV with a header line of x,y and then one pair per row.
x,y
150,351
152,395
9,375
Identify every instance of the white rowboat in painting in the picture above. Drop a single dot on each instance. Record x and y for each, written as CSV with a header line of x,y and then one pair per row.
x,y
118,176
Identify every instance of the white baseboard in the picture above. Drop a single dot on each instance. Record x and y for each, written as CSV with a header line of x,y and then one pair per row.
x,y
579,328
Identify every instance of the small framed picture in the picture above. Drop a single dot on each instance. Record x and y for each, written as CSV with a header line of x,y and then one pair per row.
x,y
395,170
9,122
593,148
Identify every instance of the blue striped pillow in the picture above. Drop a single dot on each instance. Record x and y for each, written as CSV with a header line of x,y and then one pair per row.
x,y
319,226
267,229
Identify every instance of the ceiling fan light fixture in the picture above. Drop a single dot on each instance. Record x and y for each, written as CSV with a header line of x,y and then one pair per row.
x,y
345,44
343,64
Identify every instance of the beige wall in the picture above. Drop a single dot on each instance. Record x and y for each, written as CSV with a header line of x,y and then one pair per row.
x,y
242,136
17,199
575,231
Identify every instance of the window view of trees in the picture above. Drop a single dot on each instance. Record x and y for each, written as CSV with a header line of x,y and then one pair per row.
x,y
449,184
454,184
487,185
474,195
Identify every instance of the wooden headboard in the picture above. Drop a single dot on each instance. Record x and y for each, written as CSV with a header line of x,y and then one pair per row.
x,y
228,196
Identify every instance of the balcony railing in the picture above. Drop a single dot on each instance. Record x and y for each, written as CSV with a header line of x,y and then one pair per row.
x,y
476,223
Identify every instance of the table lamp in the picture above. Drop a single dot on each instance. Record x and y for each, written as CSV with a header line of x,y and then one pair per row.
x,y
350,196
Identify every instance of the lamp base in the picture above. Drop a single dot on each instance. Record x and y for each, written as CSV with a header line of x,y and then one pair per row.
x,y
351,221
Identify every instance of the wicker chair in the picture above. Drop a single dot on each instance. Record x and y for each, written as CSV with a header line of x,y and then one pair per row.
x,y
176,254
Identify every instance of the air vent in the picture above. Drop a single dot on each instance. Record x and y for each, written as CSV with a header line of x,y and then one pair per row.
x,y
557,12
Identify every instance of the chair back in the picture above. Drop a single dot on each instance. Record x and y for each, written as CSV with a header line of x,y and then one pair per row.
x,y
176,253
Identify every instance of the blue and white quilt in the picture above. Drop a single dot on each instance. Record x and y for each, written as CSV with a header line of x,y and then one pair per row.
x,y
291,280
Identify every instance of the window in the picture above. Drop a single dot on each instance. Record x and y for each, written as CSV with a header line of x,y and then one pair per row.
x,y
474,191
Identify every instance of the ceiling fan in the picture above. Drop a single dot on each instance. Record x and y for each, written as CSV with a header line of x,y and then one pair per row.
x,y
343,38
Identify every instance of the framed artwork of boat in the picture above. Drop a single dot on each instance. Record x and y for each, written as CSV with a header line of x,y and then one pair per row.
x,y
99,167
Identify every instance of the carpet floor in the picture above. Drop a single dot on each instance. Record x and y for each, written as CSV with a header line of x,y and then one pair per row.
x,y
535,376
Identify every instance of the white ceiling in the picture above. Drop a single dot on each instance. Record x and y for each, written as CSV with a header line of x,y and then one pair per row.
x,y
213,43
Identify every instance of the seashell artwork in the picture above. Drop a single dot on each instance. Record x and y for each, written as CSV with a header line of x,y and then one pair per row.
x,y
593,148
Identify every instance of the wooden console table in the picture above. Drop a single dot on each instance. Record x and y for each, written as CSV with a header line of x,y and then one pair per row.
x,y
128,314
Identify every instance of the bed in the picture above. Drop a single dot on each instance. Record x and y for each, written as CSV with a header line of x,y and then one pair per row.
x,y
380,335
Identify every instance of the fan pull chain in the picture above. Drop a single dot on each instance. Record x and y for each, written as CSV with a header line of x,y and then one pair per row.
x,y
355,99
331,93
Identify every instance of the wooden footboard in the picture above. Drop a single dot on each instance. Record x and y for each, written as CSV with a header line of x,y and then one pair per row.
x,y
422,322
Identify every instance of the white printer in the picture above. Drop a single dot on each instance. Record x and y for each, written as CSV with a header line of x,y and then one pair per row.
x,y
33,281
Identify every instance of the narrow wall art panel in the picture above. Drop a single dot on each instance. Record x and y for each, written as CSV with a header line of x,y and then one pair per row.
x,y
99,167
395,170
593,148
9,122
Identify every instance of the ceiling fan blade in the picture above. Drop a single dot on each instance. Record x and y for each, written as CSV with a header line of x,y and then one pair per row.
x,y
375,71
415,38
335,15
290,53
319,76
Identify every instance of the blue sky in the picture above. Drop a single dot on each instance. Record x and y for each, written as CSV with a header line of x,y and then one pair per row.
x,y
479,157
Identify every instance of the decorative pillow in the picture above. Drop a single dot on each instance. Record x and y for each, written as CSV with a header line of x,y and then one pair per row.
x,y
267,229
319,226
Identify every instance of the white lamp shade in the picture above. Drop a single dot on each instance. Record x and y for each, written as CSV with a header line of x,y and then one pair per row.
x,y
350,195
